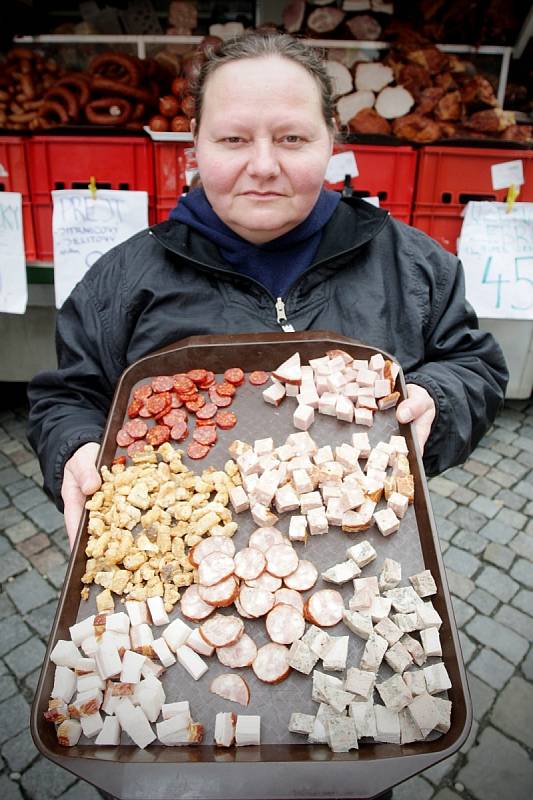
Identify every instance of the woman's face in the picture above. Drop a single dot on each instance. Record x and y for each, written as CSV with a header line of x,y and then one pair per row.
x,y
263,145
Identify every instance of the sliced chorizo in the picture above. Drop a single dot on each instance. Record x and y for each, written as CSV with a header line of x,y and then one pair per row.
x,y
291,597
221,594
263,538
220,544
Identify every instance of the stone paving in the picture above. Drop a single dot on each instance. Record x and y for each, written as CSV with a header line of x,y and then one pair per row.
x,y
484,513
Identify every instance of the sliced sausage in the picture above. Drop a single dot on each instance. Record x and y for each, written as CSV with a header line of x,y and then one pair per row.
x,y
238,655
271,664
220,594
226,420
136,428
258,377
192,606
281,560
324,608
285,624
222,630
205,435
196,450
231,687
303,578
123,438
158,435
263,538
207,412
256,602
240,609
163,383
249,563
219,543
291,597
214,568
234,375
266,581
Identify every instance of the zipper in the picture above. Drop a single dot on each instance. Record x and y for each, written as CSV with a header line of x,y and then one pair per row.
x,y
281,316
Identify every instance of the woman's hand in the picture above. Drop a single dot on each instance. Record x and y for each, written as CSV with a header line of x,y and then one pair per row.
x,y
418,408
80,479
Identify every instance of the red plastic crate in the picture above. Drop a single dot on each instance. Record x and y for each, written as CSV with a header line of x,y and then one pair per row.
x,y
13,160
169,169
449,177
385,172
68,162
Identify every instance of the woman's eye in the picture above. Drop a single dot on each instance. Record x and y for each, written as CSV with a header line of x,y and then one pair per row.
x,y
292,138
233,139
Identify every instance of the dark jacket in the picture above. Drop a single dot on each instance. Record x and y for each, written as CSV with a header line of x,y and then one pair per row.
x,y
373,279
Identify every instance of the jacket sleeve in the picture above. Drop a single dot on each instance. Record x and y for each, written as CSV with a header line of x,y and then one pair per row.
x,y
69,406
464,369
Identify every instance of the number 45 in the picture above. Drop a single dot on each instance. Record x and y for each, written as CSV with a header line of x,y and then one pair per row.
x,y
522,264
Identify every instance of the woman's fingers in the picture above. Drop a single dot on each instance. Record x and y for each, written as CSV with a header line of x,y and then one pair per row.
x,y
80,479
418,408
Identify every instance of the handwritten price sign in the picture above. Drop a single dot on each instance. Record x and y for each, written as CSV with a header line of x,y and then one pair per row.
x,y
13,286
496,248
85,228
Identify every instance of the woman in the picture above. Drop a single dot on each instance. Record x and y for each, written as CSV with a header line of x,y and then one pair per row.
x,y
263,247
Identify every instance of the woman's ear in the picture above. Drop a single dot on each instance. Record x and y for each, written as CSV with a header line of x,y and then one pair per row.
x,y
334,132
193,129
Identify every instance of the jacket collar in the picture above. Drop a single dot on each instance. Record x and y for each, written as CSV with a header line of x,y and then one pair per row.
x,y
353,224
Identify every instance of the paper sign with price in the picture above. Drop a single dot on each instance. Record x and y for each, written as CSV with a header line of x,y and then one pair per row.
x,y
85,228
13,286
496,248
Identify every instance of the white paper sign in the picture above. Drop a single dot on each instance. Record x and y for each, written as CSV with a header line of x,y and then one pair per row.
x,y
496,248
510,173
13,284
340,165
85,228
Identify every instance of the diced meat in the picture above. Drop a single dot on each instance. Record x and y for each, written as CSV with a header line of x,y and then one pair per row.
x,y
367,120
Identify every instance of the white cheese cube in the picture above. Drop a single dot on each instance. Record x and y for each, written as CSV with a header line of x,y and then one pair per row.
x,y
407,622
108,661
341,573
380,608
375,649
316,639
427,616
362,553
387,725
364,718
308,394
398,657
377,363
395,693
81,630
338,699
110,733
361,601
336,380
315,363
302,481
150,668
174,729
249,482
322,682
414,648
344,409
65,654
378,459
330,472
331,491
387,521
150,695
298,528
358,622
390,575
336,654
238,499
64,684
437,678
141,635
382,387
361,442
274,394
132,664
303,417
267,486
69,732
92,724
301,723
169,710
360,682
398,503
416,681
409,730
137,611
366,377
363,416
431,642
134,722
370,583
404,599
85,665
352,496
247,730
317,521
350,391
424,713
176,634
342,735
388,630
248,463
225,728
335,510
399,445
444,710
424,583
191,661
327,403
286,499
321,384
292,389
301,657
88,682
163,651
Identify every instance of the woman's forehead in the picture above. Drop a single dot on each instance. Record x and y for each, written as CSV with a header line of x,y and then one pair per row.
x,y
254,77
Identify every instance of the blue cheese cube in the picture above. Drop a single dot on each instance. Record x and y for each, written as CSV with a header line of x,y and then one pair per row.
x,y
375,649
364,717
358,622
398,658
437,678
342,734
360,682
387,725
337,653
301,723
301,657
395,693
424,713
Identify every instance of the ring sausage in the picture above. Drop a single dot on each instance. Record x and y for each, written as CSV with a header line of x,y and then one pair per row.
x,y
108,111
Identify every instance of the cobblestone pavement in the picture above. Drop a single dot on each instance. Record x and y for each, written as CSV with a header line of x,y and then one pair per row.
x,y
484,513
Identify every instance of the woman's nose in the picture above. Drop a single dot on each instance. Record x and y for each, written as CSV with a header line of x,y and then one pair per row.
x,y
263,161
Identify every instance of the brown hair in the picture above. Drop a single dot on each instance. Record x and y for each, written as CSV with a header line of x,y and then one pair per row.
x,y
261,45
